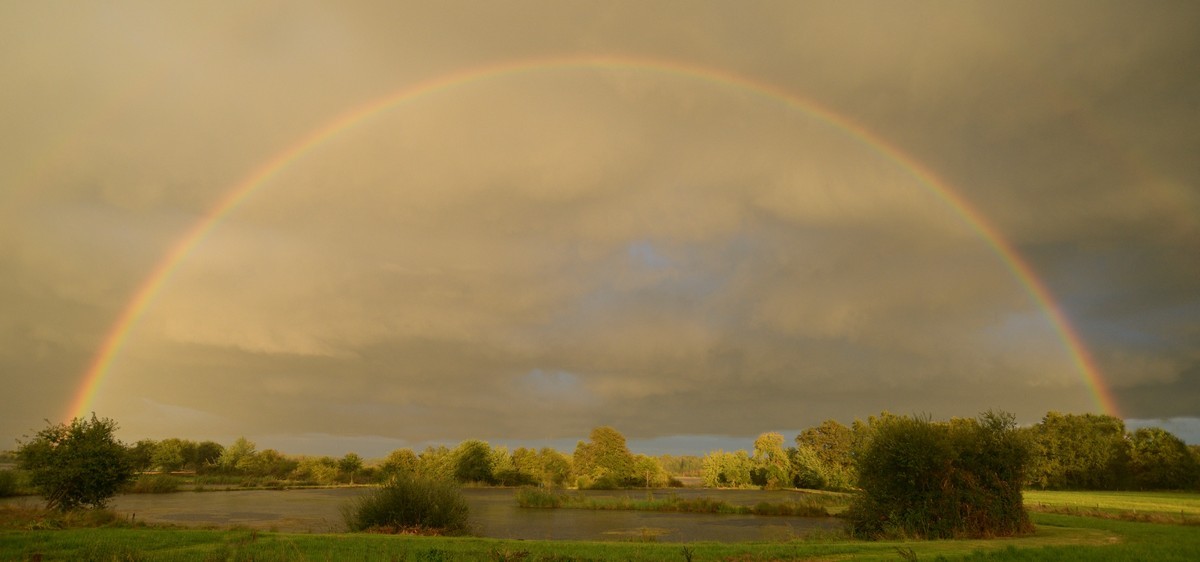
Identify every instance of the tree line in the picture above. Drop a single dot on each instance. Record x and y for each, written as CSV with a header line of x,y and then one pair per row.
x,y
1066,452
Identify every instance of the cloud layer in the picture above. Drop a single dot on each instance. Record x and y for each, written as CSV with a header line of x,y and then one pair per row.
x,y
532,254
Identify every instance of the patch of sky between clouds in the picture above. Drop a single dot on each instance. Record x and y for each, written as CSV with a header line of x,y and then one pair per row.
x,y
644,253
1185,428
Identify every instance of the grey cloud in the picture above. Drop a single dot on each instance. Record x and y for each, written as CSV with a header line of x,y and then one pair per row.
x,y
678,253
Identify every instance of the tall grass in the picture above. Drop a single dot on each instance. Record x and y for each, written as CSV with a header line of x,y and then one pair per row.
x,y
412,505
154,484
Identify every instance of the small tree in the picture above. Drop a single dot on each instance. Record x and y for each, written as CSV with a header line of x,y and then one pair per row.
x,y
76,464
350,465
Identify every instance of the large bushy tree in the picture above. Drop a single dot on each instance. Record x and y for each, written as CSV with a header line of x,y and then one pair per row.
x,y
1081,452
76,464
473,462
941,480
1161,461
605,462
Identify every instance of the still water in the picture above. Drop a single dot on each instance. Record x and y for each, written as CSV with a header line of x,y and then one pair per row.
x,y
494,513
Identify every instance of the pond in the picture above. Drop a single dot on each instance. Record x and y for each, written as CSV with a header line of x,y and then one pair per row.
x,y
494,513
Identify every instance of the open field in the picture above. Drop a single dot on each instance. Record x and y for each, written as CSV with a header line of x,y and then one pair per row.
x,y
1158,507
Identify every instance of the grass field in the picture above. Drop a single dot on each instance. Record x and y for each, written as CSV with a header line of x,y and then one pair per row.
x,y
29,534
1160,507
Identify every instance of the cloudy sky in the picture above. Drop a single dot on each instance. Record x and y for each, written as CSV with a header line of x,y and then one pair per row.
x,y
523,255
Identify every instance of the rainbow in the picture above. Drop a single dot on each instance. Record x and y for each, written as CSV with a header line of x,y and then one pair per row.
x,y
234,196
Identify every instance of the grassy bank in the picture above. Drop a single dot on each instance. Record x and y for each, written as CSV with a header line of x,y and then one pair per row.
x,y
32,534
124,541
806,505
1154,507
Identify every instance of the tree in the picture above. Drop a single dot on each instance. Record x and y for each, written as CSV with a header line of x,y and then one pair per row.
x,y
400,461
350,464
942,480
727,470
208,453
649,472
833,445
237,457
1082,452
141,454
555,467
473,462
772,468
76,464
1161,461
171,454
605,462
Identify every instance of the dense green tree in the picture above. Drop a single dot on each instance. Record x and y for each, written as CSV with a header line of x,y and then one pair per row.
x,y
942,480
207,454
772,468
605,461
555,467
833,444
808,470
400,461
727,470
321,470
437,463
141,455
473,462
76,464
1161,461
1084,452
237,457
350,465
649,472
172,454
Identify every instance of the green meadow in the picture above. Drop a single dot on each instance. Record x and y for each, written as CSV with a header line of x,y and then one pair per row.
x,y
27,534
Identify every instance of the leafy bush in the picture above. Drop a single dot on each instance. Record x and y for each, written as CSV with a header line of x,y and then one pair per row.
x,y
76,464
942,480
9,486
410,504
154,484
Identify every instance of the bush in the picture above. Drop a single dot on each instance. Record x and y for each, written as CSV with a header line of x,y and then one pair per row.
x,y
539,498
76,464
410,504
922,479
154,484
8,483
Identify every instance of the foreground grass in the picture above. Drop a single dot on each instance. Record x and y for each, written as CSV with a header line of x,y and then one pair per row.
x,y
1154,507
32,534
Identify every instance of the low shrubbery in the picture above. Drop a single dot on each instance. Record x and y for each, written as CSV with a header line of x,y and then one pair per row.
x,y
410,504
154,484
9,483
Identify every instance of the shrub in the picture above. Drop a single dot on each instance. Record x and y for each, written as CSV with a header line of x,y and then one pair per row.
x,y
536,497
76,464
8,483
942,480
154,484
409,503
